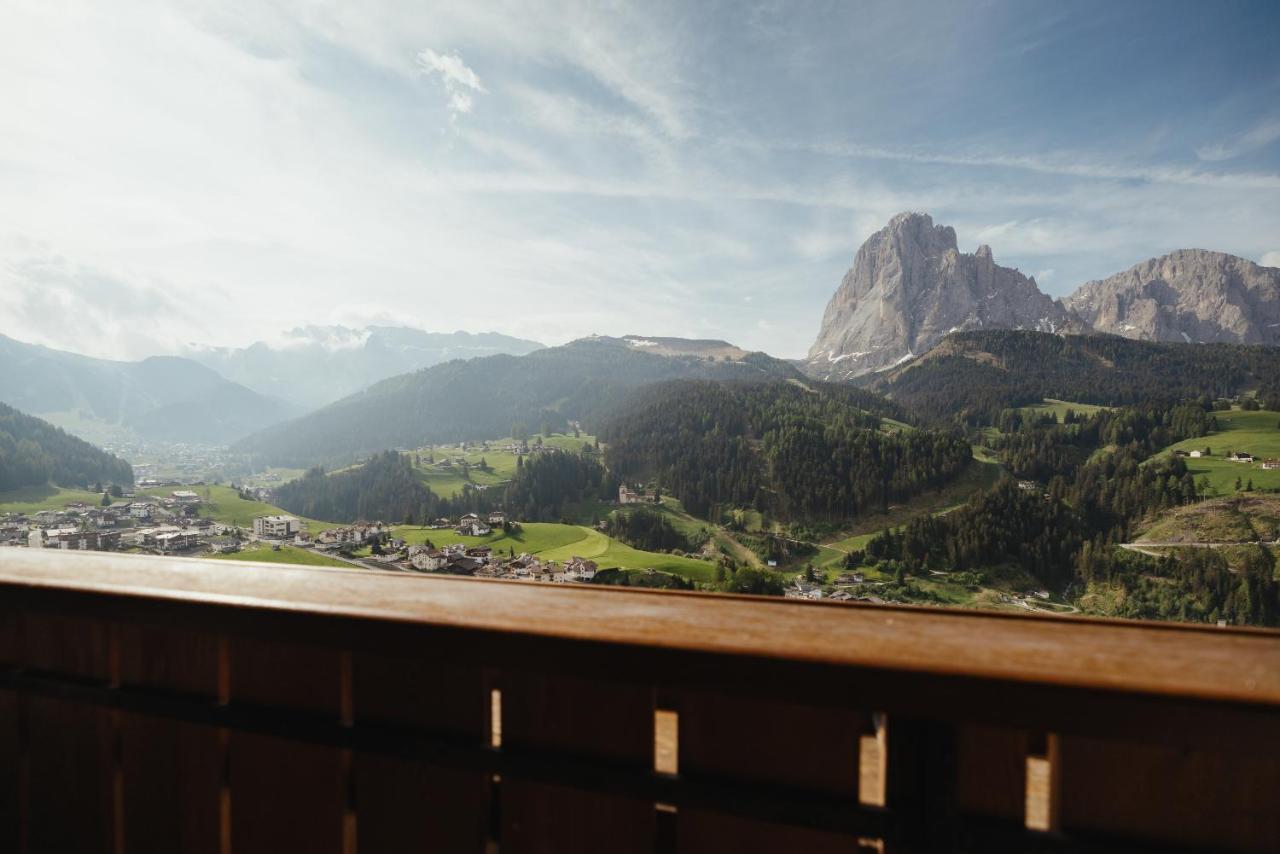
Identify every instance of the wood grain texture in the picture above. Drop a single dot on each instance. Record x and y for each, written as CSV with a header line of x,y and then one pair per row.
x,y
10,774
767,742
170,772
70,747
1186,798
410,806
585,719
286,796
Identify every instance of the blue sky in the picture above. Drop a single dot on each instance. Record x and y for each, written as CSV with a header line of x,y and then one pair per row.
x,y
217,172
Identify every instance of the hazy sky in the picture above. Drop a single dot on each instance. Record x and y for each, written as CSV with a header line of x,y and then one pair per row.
x,y
220,171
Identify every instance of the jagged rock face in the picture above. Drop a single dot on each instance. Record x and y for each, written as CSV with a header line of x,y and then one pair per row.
x,y
1189,295
910,286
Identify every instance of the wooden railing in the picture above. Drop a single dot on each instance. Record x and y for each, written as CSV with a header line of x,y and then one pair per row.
x,y
151,704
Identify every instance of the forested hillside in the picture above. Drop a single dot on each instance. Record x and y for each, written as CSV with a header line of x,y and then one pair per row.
x,y
34,452
482,398
387,487
384,488
787,450
974,376
1095,481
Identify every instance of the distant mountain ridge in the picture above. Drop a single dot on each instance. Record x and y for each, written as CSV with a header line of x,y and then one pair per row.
x,y
976,375
162,398
910,287
1190,296
483,398
315,365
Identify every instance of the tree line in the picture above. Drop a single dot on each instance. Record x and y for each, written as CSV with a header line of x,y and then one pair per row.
x,y
790,451
33,452
974,376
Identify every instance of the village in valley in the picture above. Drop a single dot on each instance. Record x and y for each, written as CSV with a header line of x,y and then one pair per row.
x,y
243,522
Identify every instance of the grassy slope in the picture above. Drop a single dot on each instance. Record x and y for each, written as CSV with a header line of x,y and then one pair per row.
x,y
608,552
1059,408
449,482
1254,432
980,475
287,554
533,537
553,541
1247,517
222,504
33,499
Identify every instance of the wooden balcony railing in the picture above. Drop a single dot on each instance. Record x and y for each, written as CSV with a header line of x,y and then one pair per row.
x,y
151,704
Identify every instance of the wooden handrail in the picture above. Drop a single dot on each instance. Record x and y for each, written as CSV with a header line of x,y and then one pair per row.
x,y
334,659
1226,664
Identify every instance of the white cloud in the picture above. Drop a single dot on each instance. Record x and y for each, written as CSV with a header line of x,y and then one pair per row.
x,y
1271,259
460,82
250,167
1259,136
1042,276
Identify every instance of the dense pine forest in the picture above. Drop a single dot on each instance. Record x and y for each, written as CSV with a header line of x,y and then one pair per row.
x,y
547,483
1062,528
974,376
646,529
386,488
34,452
790,451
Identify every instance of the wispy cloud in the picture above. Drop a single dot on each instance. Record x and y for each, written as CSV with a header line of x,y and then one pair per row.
x,y
459,81
1071,164
1259,136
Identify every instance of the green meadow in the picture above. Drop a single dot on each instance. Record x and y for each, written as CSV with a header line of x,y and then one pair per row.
x,y
448,481
553,541
263,553
33,499
1058,408
1257,433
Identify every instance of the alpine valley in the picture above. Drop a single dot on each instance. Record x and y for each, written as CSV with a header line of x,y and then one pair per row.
x,y
955,436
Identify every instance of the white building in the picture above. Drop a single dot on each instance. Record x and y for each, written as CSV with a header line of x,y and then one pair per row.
x,y
276,527
427,559
141,510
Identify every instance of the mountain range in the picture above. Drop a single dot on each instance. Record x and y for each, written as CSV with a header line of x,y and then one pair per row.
x,y
315,365
910,287
162,398
483,398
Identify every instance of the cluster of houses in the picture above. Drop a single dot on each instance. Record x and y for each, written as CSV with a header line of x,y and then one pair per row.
x,y
481,562
1231,457
163,525
627,495
800,588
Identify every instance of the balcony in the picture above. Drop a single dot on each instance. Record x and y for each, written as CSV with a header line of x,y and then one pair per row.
x,y
152,704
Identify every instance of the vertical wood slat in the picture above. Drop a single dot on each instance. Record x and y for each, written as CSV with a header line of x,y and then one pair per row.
x,y
1214,801
407,806
579,718
921,783
11,748
766,742
991,770
170,771
11,770
286,796
70,804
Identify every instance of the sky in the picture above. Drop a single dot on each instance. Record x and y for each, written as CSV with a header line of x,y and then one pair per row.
x,y
219,172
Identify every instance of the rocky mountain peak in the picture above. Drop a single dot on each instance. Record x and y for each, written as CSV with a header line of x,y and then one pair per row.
x,y
909,286
1191,295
